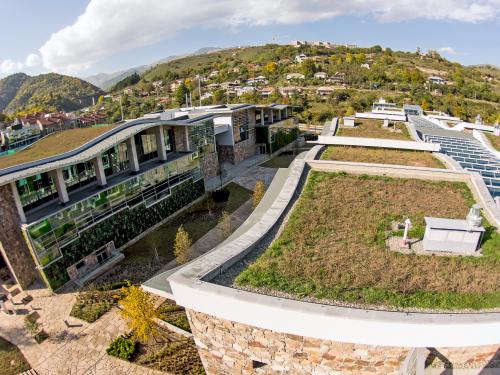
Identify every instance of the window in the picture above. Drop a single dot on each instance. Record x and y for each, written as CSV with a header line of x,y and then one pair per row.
x,y
102,256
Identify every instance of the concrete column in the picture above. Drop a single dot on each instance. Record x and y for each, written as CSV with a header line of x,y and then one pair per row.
x,y
58,178
17,200
160,143
186,136
279,115
133,161
99,170
262,116
286,112
271,115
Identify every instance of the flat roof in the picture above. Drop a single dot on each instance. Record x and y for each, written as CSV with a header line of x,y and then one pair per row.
x,y
451,224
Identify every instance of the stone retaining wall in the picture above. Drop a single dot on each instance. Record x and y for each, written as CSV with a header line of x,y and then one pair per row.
x,y
228,347
209,165
12,244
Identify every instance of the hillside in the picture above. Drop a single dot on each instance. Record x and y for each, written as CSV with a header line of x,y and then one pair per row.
x,y
108,80
357,77
9,86
45,91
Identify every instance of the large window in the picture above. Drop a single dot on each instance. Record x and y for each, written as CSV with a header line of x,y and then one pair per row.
x,y
78,175
202,138
36,190
146,146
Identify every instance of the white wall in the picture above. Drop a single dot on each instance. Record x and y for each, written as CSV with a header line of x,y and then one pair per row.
x,y
225,138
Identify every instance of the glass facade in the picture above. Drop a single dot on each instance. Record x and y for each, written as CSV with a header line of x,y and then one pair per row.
x,y
57,230
36,190
202,138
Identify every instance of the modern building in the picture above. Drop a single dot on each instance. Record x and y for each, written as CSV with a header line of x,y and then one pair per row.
x,y
68,208
437,80
413,110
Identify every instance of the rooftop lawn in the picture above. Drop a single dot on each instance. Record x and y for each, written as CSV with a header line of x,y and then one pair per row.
x,y
382,156
54,144
368,128
494,140
333,247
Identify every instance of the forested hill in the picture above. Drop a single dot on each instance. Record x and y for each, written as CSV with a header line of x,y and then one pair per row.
x,y
50,91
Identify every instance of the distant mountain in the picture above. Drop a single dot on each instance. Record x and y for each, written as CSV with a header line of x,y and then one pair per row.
x,y
9,86
107,80
20,92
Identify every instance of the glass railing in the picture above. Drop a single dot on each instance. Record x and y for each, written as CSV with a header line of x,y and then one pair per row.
x,y
48,235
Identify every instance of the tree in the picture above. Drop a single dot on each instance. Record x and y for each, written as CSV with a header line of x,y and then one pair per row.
x,y
225,225
271,67
308,68
180,94
182,245
350,111
258,193
138,309
360,58
349,58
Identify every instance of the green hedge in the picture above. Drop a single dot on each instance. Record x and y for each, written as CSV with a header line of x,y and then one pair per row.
x,y
121,228
284,137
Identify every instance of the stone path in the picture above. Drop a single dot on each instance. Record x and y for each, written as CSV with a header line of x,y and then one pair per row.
x,y
80,349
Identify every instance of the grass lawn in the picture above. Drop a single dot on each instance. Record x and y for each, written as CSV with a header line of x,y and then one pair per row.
x,y
382,156
494,140
54,144
11,359
373,129
333,247
140,261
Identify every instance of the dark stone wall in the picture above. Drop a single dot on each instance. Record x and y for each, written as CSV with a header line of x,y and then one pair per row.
x,y
12,242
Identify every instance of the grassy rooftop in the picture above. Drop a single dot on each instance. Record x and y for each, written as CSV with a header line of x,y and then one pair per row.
x,y
382,156
333,247
368,128
494,140
54,144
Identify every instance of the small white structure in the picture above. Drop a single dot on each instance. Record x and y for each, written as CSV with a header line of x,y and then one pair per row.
x,y
455,236
321,75
437,80
349,121
291,76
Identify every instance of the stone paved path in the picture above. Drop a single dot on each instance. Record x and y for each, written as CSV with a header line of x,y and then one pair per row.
x,y
80,349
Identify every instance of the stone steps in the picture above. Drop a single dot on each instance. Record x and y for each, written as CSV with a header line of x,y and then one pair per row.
x,y
29,372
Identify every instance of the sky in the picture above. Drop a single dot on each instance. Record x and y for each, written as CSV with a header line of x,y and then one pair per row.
x,y
85,37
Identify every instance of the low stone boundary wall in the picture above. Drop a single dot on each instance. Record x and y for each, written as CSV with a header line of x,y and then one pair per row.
x,y
381,116
378,143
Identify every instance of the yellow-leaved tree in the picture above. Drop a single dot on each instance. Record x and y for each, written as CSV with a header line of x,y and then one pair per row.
x,y
182,245
138,310
258,192
225,225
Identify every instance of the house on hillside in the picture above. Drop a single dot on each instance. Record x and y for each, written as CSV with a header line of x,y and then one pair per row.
x,y
436,80
300,58
267,91
214,73
289,91
337,78
321,75
291,76
260,80
325,90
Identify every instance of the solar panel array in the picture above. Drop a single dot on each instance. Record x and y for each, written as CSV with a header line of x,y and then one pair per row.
x,y
467,151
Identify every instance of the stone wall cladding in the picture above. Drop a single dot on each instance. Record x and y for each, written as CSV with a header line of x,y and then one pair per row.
x,y
245,149
179,138
225,153
12,241
227,347
210,165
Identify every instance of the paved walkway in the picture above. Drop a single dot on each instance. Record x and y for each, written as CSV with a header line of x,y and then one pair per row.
x,y
79,349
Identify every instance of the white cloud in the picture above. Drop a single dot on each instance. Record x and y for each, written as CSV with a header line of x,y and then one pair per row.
x,y
448,50
8,66
110,26
33,60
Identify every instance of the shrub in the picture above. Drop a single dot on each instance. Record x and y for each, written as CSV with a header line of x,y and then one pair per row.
x,y
182,245
258,193
122,347
225,225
